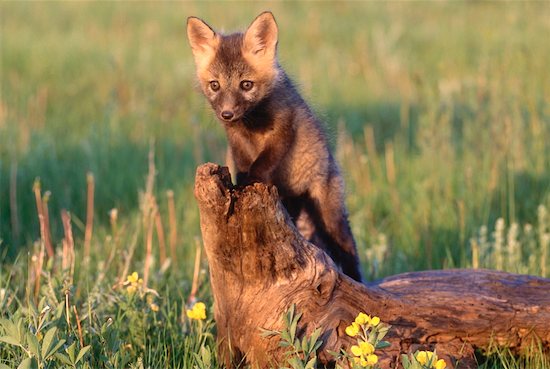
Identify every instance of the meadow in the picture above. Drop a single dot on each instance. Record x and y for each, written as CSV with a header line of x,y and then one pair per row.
x,y
439,114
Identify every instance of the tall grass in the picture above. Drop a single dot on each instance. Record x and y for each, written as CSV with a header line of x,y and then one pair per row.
x,y
438,113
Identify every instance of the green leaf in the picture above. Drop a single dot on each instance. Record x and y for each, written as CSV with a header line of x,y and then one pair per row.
x,y
382,345
317,345
304,344
82,352
382,331
34,346
266,333
315,341
70,351
47,342
54,349
9,327
295,362
63,358
206,356
292,329
285,336
28,363
311,363
406,361
290,312
10,340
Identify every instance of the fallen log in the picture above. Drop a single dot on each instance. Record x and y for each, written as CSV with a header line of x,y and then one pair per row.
x,y
260,265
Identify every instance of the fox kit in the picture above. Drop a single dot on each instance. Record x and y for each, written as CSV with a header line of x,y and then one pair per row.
x,y
273,135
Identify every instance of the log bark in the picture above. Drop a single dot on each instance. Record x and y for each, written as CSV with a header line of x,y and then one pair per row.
x,y
260,265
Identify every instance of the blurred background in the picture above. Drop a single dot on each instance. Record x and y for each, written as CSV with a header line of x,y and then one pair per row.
x,y
439,114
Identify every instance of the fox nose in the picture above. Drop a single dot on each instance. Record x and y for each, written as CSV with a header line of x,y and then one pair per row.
x,y
227,115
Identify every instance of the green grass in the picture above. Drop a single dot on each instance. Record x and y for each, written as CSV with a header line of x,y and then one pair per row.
x,y
439,114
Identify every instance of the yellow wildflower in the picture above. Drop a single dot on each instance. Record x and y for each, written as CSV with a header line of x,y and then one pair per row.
x,y
372,359
363,362
131,289
362,319
421,357
352,330
198,311
133,278
374,321
424,356
356,350
133,282
440,364
154,307
366,348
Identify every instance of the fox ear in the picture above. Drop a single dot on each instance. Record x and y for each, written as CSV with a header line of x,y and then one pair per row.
x,y
260,39
203,40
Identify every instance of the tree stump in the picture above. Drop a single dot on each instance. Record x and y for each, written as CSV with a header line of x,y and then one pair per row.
x,y
260,265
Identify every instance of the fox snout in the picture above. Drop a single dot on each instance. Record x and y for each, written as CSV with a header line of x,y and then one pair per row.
x,y
227,110
227,115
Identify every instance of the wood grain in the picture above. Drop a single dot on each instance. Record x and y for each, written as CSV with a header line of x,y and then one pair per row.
x,y
260,265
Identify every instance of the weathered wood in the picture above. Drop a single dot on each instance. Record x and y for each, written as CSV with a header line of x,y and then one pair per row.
x,y
260,265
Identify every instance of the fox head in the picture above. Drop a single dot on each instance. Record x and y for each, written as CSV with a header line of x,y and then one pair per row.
x,y
235,71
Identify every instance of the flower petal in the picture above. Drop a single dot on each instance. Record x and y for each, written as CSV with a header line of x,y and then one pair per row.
x,y
355,350
366,348
372,359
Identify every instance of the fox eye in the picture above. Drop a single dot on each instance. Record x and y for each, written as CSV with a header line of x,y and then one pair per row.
x,y
214,85
247,85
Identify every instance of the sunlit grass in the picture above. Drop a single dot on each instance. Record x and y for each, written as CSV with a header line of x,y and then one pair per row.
x,y
439,115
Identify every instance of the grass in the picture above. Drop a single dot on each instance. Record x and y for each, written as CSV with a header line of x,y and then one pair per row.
x,y
439,114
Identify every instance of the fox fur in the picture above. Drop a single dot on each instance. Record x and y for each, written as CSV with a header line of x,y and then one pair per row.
x,y
273,135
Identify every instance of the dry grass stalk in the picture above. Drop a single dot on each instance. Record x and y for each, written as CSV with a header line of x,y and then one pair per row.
x,y
461,220
47,232
391,175
150,183
41,218
475,254
68,259
149,248
148,210
544,254
79,327
160,234
13,203
544,237
67,308
390,163
127,260
172,222
31,275
113,217
196,271
39,264
370,142
89,215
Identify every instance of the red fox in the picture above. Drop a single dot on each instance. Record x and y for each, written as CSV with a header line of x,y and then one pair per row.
x,y
272,133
